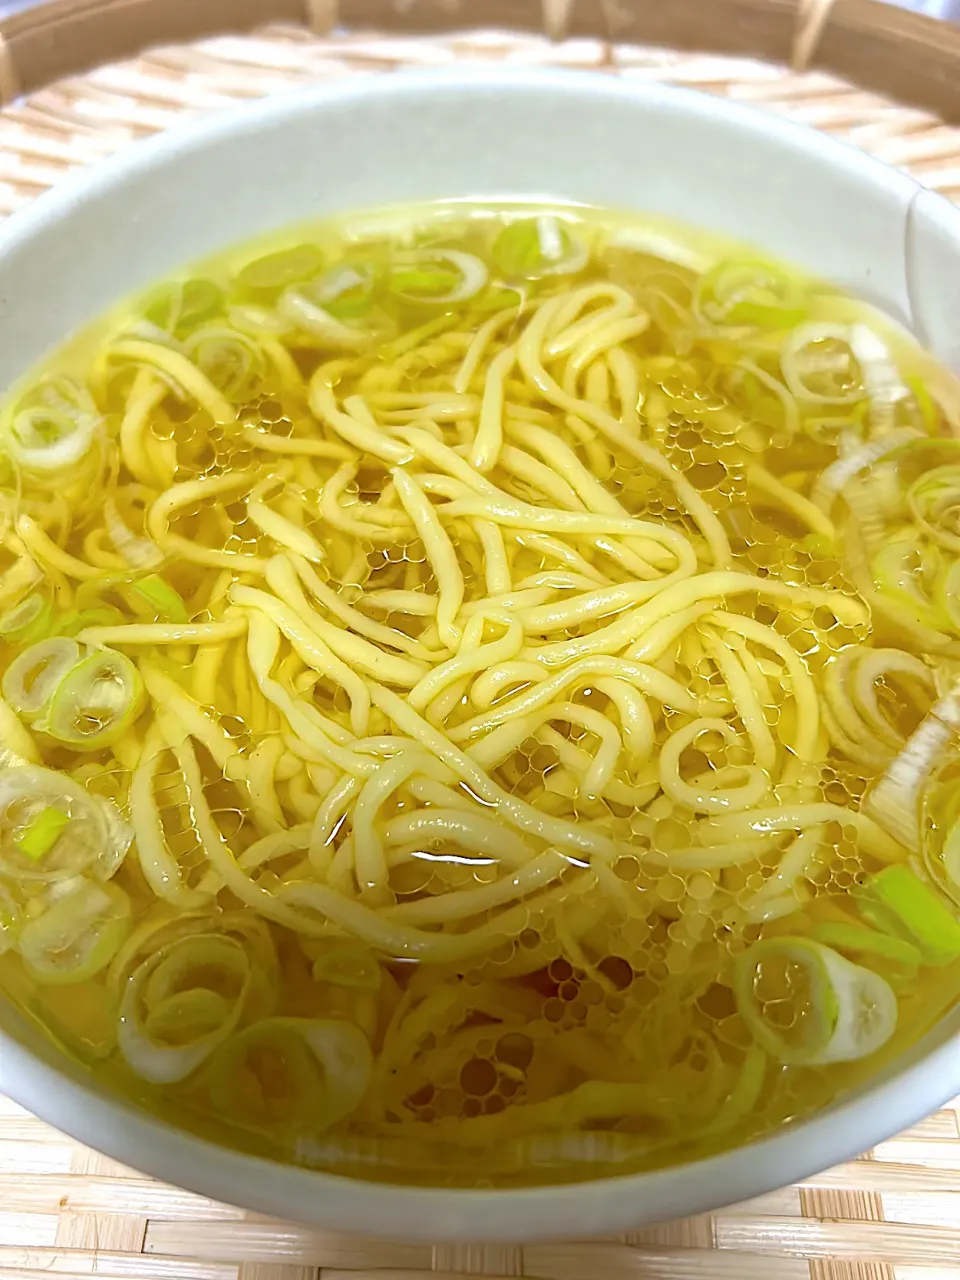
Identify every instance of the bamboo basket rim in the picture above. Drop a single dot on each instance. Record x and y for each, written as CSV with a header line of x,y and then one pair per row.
x,y
910,55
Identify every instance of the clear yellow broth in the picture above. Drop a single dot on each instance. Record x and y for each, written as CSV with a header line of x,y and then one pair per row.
x,y
478,695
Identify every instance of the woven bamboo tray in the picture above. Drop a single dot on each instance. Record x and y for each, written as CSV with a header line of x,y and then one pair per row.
x,y
65,1211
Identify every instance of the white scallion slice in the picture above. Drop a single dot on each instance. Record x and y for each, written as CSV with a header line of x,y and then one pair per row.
x,y
94,841
78,935
435,276
181,1003
530,248
142,553
894,801
231,360
27,621
833,479
326,1067
303,313
346,291
820,366
284,267
805,1004
34,675
95,703
51,428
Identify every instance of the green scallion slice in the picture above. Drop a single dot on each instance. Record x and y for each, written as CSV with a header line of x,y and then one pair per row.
x,y
282,269
161,597
38,838
899,903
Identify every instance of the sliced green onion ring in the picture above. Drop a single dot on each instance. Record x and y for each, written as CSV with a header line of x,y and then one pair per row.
x,y
530,248
898,575
181,306
299,309
165,600
934,502
232,361
754,294
30,620
258,322
95,703
51,428
78,936
435,276
346,290
77,620
805,1003
137,551
94,841
819,364
862,941
34,675
834,479
881,378
898,902
283,268
895,800
326,1067
181,1003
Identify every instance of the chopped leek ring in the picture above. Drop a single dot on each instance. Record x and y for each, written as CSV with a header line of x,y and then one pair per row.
x,y
164,599
898,574
78,936
899,902
77,620
895,800
542,246
96,703
258,322
43,832
435,276
229,359
806,1004
33,677
743,1097
283,268
95,841
925,403
866,942
346,291
298,308
755,294
934,502
326,1066
51,428
30,620
181,1003
141,552
180,307
819,365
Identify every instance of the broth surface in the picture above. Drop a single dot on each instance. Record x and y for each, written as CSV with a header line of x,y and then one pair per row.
x,y
479,695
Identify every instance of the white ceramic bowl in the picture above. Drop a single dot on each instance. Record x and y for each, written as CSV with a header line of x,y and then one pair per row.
x,y
795,193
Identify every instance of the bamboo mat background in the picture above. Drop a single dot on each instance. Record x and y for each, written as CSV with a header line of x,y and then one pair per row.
x,y
65,1211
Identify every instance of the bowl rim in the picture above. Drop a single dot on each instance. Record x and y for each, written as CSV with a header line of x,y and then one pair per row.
x,y
899,1098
